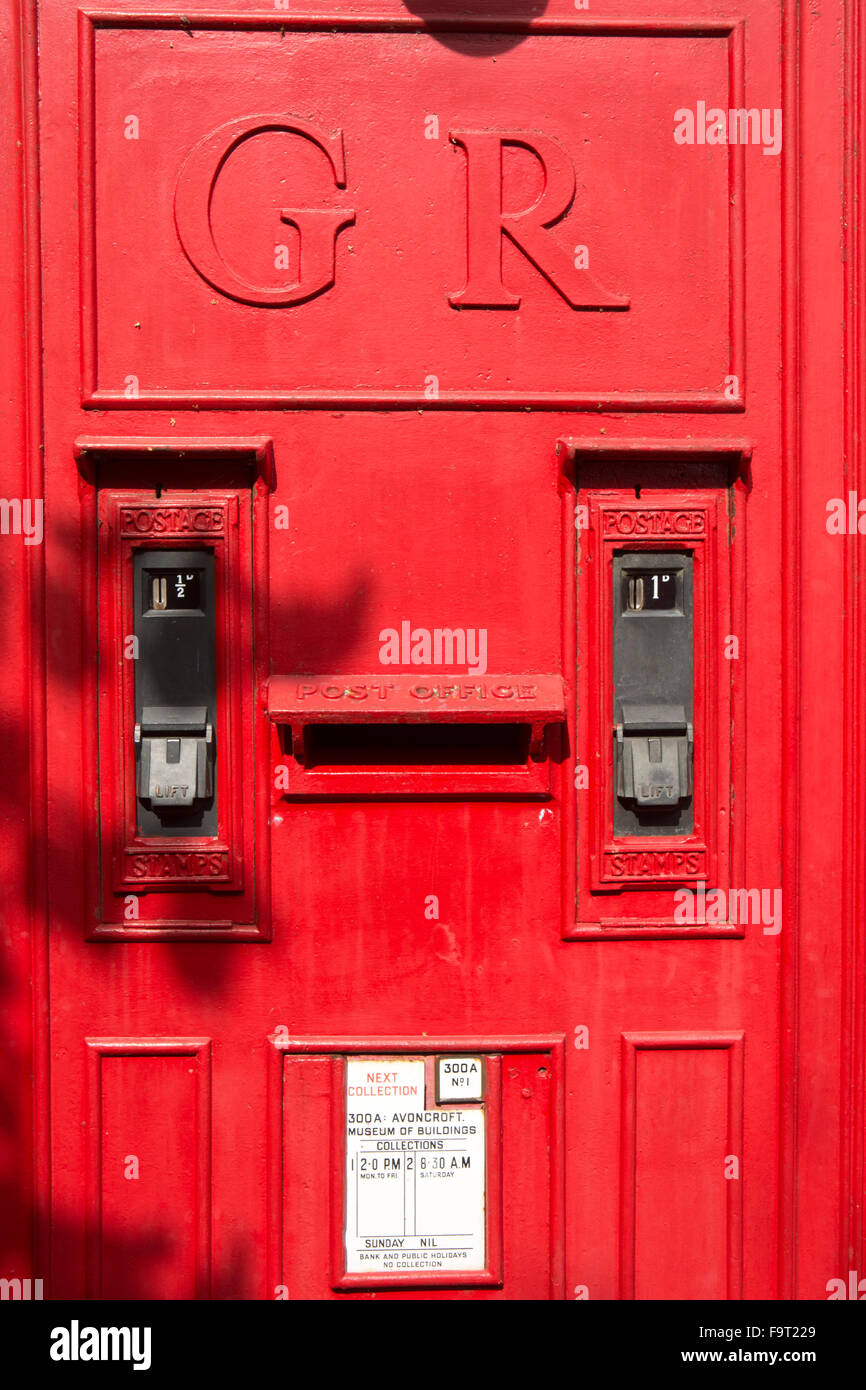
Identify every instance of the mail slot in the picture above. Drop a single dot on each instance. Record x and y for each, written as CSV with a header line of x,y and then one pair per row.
x,y
401,735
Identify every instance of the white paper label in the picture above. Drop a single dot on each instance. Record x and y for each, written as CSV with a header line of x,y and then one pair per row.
x,y
414,1177
459,1078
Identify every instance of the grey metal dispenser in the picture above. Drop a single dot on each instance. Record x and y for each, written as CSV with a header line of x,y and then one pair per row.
x,y
653,680
175,692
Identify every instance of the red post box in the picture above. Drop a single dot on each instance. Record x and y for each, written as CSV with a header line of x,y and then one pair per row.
x,y
432,650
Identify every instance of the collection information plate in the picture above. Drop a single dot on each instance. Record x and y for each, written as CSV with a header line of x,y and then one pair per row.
x,y
415,1177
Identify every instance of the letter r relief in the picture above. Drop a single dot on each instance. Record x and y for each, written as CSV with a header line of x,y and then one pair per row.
x,y
487,224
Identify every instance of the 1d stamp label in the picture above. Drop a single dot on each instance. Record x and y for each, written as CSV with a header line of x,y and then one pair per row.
x,y
415,1177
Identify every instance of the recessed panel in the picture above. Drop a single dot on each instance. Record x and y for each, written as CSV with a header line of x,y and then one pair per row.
x,y
150,1140
411,216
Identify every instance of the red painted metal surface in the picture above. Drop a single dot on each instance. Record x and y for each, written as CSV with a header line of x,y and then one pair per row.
x,y
414,320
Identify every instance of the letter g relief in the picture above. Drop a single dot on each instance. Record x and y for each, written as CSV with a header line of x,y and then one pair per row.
x,y
317,228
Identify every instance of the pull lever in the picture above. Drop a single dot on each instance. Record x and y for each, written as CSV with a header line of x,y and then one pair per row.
x,y
653,755
176,758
